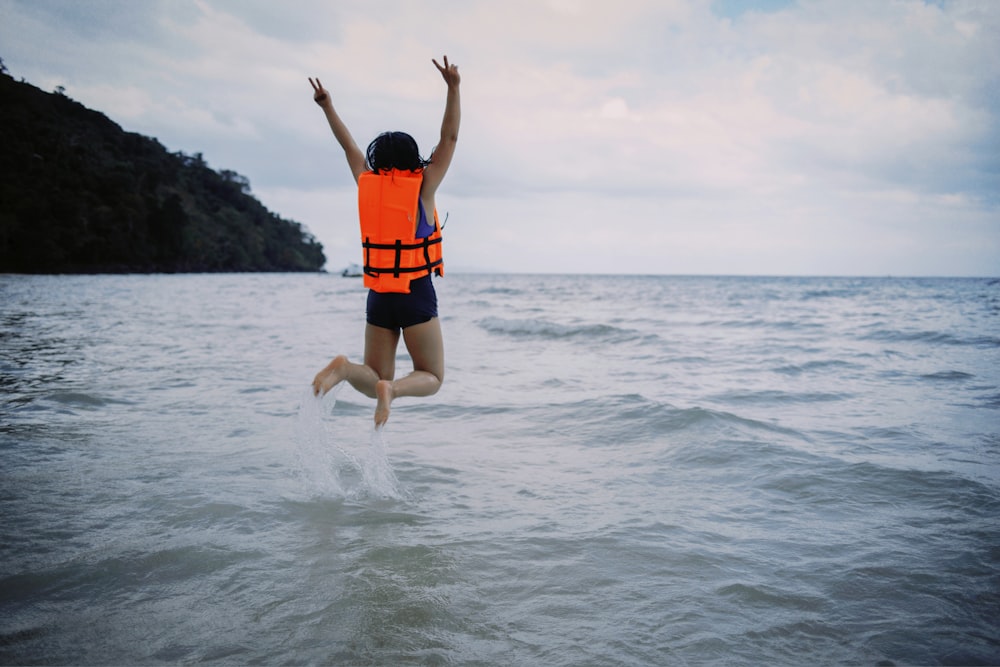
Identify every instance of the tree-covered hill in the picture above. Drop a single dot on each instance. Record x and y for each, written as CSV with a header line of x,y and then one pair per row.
x,y
80,195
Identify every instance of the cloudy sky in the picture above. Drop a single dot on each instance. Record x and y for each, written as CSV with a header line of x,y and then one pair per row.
x,y
811,137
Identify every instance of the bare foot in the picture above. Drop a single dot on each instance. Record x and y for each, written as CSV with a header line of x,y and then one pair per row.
x,y
329,377
383,392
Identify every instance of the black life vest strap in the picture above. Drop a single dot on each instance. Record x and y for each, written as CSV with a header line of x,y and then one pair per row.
x,y
400,245
396,270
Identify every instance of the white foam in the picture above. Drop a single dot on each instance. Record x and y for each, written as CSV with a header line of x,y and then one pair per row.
x,y
327,464
376,471
318,457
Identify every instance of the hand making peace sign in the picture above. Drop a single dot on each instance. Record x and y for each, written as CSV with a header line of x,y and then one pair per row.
x,y
449,72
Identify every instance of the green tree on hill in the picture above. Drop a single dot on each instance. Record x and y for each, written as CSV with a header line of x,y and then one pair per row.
x,y
79,194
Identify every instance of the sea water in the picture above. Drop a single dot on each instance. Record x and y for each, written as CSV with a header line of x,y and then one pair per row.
x,y
618,470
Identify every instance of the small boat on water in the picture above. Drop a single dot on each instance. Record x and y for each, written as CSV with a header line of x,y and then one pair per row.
x,y
352,271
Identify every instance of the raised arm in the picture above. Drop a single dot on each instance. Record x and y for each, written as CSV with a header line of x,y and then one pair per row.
x,y
355,158
441,158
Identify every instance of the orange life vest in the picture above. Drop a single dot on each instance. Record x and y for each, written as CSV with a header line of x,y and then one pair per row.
x,y
388,210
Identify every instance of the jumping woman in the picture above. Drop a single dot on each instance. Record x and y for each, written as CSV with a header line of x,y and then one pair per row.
x,y
401,241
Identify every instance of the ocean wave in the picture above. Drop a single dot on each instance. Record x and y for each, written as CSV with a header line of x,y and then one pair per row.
x,y
934,337
948,376
625,418
777,397
68,401
541,328
931,494
760,323
991,401
832,293
505,291
818,365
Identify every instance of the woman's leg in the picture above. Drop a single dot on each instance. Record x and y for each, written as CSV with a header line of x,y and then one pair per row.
x,y
380,363
426,347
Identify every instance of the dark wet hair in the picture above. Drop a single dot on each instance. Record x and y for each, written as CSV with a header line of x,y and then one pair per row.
x,y
394,150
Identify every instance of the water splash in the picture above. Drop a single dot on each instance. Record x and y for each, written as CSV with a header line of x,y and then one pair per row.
x,y
329,468
319,460
375,468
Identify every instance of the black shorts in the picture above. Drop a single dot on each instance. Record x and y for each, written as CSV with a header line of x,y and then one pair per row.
x,y
395,311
